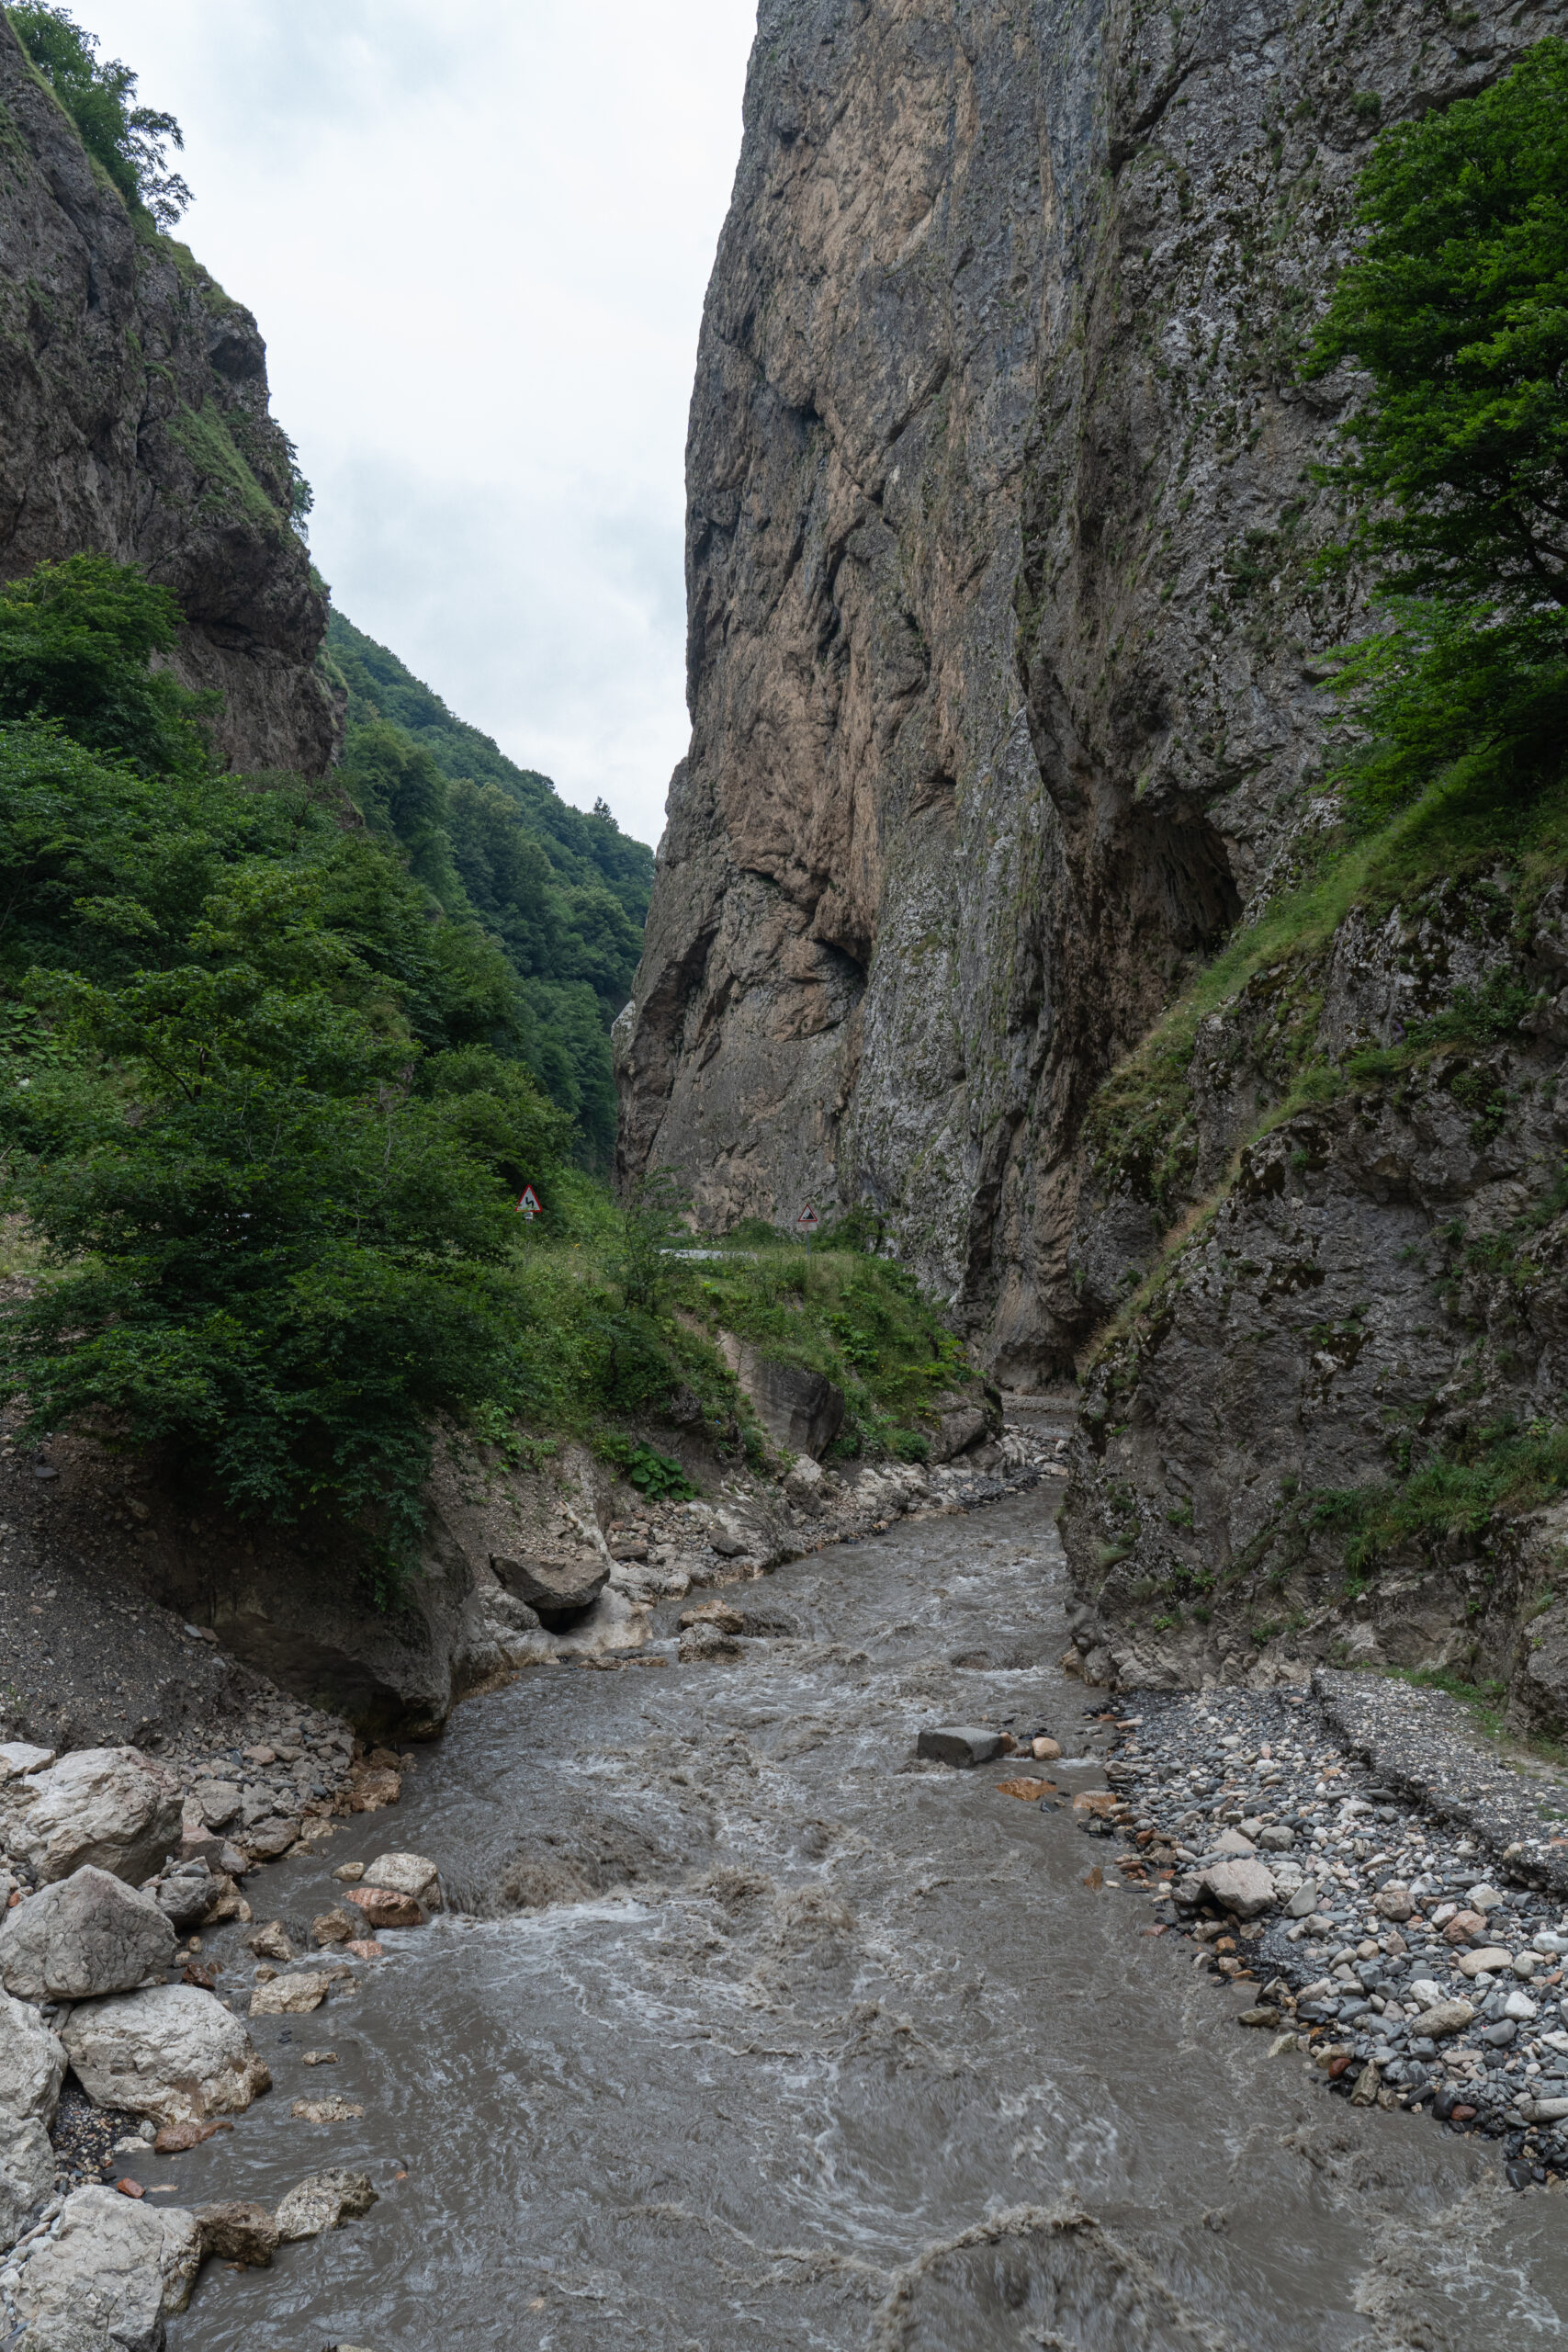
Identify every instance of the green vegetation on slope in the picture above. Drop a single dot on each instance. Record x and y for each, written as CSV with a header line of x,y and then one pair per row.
x,y
128,142
266,1121
563,892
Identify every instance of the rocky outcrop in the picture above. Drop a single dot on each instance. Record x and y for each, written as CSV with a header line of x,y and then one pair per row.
x,y
134,424
1326,1429
1002,641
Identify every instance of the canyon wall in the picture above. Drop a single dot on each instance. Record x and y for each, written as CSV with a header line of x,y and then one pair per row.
x,y
1004,652
134,424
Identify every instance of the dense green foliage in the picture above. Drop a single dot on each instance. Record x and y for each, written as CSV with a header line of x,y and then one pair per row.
x,y
859,1319
131,144
74,643
251,1098
563,892
1457,309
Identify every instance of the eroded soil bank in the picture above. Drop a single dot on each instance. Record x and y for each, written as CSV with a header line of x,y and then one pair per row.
x,y
757,2030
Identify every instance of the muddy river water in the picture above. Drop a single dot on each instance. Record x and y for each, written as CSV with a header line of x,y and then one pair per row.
x,y
797,2043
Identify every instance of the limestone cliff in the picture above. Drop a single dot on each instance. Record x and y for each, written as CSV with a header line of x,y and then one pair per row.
x,y
134,424
1003,646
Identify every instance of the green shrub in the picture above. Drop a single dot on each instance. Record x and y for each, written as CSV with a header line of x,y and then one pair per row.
x,y
655,1475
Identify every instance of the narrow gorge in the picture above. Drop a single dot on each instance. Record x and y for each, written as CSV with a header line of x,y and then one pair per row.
x,y
871,1652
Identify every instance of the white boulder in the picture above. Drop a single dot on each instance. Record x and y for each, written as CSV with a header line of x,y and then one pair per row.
x,y
104,1805
107,2276
32,2068
173,2052
85,1935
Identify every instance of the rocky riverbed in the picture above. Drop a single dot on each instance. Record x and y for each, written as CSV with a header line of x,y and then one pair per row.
x,y
698,2003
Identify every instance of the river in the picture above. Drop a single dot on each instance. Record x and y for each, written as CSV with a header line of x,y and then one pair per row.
x,y
816,2048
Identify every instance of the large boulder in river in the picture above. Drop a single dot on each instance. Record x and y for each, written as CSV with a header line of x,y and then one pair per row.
x,y
108,2276
107,1806
173,2052
412,1875
325,2201
32,2068
554,1589
86,1934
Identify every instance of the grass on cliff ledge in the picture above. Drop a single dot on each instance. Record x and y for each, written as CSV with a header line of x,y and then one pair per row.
x,y
1139,1127
857,1319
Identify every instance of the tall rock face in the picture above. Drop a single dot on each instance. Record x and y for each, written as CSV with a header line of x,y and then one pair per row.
x,y
133,424
1003,641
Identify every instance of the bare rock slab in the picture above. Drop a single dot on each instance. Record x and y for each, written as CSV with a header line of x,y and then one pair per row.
x,y
32,2068
960,1743
86,1935
109,2276
107,1806
323,2202
173,2052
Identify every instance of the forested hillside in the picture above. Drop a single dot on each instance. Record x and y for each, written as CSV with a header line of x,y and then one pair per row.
x,y
565,893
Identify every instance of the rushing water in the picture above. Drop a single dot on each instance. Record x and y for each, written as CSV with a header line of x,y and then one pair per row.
x,y
801,2046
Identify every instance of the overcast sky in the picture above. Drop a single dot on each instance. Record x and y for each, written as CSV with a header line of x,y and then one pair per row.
x,y
477,238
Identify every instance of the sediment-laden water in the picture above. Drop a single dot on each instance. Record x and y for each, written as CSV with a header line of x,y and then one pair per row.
x,y
799,2044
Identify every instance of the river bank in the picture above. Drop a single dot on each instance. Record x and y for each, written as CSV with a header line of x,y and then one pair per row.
x,y
750,2024
734,1991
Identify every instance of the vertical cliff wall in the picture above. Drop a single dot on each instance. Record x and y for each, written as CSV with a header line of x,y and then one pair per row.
x,y
1003,649
133,424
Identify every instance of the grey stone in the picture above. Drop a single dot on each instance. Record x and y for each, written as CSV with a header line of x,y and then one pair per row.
x,y
957,1429
1303,1902
85,1935
1232,1842
959,1743
32,2068
18,1755
173,2052
558,1590
187,1893
104,1805
1242,1887
325,2201
1277,1838
219,1801
239,2232
107,2278
407,1874
1446,2018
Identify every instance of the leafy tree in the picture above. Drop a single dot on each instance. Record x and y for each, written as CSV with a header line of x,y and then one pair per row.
x,y
1456,307
130,142
1457,472
76,643
251,1100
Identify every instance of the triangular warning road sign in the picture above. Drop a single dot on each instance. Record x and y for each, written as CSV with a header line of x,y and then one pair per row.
x,y
529,1203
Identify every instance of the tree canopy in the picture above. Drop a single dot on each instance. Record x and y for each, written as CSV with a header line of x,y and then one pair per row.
x,y
1456,307
1456,469
130,142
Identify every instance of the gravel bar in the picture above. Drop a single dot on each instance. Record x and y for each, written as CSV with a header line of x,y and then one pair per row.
x,y
1409,1939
